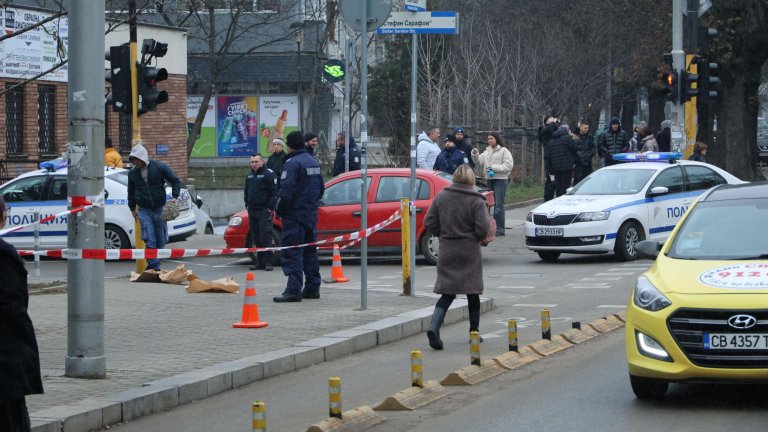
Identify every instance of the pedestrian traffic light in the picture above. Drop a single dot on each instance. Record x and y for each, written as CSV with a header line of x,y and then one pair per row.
x,y
708,80
670,86
119,76
689,85
706,34
149,96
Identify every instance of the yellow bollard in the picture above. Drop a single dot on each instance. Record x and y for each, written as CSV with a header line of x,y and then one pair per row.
x,y
512,326
474,348
417,378
405,232
259,417
334,396
546,330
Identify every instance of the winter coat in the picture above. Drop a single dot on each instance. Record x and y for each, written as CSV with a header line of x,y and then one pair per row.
x,y
301,188
466,147
354,158
112,158
260,189
450,159
150,193
546,132
499,159
698,157
275,162
459,217
585,149
649,144
426,152
664,139
613,142
19,356
560,153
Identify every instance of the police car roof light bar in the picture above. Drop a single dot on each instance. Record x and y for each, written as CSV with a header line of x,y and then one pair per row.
x,y
647,157
53,165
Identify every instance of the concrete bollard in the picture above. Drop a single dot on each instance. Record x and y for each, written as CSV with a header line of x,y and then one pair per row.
x,y
474,348
417,377
259,417
512,326
546,329
334,397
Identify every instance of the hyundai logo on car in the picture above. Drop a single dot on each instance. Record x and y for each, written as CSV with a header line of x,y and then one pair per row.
x,y
742,321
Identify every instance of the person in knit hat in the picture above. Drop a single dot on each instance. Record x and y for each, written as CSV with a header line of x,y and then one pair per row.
x,y
463,144
613,141
277,159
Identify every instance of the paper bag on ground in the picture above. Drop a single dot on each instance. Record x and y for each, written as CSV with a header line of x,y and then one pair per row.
x,y
176,276
197,285
147,276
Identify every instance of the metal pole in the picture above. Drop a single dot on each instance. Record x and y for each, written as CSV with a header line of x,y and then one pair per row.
x,y
346,125
678,64
37,244
85,178
364,152
141,264
411,190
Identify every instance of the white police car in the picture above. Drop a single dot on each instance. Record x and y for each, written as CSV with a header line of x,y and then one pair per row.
x,y
45,191
619,205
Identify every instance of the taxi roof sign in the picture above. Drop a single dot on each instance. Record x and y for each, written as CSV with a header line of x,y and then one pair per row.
x,y
647,157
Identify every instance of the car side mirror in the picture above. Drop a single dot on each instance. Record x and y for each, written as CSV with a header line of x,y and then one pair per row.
x,y
106,194
648,249
658,190
198,202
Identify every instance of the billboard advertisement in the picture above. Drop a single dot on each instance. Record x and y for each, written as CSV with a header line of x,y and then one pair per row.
x,y
237,125
35,51
205,145
279,116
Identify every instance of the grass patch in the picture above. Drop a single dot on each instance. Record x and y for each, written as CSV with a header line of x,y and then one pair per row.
x,y
519,193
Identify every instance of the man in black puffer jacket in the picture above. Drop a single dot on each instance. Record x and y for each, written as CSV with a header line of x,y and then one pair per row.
x,y
560,158
585,151
545,136
613,141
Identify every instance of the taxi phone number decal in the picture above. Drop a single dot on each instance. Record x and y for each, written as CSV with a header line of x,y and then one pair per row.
x,y
739,276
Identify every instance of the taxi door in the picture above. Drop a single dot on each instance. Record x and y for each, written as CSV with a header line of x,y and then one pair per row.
x,y
665,210
23,197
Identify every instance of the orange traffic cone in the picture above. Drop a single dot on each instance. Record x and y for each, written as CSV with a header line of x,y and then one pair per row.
x,y
250,308
337,272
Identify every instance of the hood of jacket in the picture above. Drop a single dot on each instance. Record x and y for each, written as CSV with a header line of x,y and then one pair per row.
x,y
139,152
423,137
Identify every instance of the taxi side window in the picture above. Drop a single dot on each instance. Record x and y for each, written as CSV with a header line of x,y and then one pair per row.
x,y
701,178
25,190
671,178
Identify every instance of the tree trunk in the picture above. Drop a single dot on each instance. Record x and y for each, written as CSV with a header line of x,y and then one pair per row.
x,y
737,126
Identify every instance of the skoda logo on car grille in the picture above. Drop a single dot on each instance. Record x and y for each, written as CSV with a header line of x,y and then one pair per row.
x,y
742,321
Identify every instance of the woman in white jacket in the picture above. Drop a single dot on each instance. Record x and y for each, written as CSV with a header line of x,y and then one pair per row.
x,y
496,165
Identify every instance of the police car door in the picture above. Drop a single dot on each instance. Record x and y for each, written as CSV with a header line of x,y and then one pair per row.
x,y
23,198
54,202
666,209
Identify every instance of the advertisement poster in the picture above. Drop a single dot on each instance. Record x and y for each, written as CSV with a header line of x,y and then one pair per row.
x,y
279,115
35,51
237,125
205,145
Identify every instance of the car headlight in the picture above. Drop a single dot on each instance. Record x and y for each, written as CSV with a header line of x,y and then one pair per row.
x,y
529,218
235,221
592,216
648,297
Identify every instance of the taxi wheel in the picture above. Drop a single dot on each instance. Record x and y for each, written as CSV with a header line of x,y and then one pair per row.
x,y
549,256
646,388
115,238
429,245
275,243
627,238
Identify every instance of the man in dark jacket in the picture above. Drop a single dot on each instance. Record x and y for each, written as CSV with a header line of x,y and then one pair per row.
x,y
277,159
664,137
310,141
463,144
354,155
19,356
259,194
560,158
146,188
613,141
585,152
451,157
545,136
301,187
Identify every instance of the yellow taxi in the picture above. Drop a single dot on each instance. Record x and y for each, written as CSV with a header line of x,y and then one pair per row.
x,y
700,313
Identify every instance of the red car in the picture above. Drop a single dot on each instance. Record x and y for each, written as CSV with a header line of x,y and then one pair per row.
x,y
339,211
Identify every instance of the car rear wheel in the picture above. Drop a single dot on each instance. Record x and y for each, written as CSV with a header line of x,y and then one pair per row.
x,y
549,256
275,243
115,237
629,235
208,229
429,245
647,388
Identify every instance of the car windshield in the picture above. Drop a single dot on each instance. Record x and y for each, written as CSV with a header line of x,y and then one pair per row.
x,y
613,182
724,230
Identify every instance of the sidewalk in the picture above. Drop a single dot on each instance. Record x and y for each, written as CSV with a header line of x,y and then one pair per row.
x,y
166,347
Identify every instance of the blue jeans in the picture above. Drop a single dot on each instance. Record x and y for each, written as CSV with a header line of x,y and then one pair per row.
x,y
499,188
154,232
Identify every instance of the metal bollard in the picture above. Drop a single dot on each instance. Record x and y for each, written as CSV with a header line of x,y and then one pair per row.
x,y
259,417
576,325
512,326
37,244
334,396
417,378
546,330
474,348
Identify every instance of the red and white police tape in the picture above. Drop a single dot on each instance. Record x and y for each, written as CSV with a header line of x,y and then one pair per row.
x,y
78,203
130,254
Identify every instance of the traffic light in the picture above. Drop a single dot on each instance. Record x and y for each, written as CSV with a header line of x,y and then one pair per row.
x,y
709,81
119,75
706,34
689,86
149,96
669,82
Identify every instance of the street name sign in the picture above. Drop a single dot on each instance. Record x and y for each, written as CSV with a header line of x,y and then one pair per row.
x,y
415,5
421,23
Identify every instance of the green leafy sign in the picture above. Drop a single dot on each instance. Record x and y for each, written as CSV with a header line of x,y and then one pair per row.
x,y
334,70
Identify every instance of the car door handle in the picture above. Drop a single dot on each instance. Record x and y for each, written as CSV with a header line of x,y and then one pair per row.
x,y
357,214
418,210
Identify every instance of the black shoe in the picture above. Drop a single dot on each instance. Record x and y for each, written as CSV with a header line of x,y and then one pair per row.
x,y
268,267
308,295
287,298
257,267
499,234
434,340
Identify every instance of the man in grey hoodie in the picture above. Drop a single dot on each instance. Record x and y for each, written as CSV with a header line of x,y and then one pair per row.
x,y
146,188
427,149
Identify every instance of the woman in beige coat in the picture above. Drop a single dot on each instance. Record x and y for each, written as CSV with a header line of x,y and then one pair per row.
x,y
459,218
496,165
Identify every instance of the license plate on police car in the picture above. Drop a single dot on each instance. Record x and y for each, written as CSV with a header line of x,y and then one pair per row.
x,y
732,341
549,232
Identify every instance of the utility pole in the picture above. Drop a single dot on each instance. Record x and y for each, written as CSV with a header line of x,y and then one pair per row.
x,y
678,64
364,152
141,264
691,117
411,193
85,181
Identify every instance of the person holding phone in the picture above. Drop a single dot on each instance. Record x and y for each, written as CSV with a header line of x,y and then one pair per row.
x,y
496,165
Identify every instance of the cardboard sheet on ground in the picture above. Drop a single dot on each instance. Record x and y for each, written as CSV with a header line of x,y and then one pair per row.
x,y
176,276
226,284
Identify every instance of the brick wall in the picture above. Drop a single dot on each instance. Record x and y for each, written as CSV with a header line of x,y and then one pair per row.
x,y
167,125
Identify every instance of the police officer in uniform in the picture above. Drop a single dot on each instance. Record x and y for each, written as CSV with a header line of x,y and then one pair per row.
x,y
259,194
301,187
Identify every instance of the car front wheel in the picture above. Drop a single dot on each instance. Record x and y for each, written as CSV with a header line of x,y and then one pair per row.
x,y
629,235
115,238
429,246
647,388
275,243
549,256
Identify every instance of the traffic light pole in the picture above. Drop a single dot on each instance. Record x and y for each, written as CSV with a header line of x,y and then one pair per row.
x,y
678,63
85,180
141,264
691,118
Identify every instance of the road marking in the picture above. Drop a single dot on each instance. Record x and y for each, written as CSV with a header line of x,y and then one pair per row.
x,y
585,283
390,277
515,287
519,296
613,274
590,287
611,306
544,305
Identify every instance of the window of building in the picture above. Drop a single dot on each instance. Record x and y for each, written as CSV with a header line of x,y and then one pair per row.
x,y
46,119
266,5
14,112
